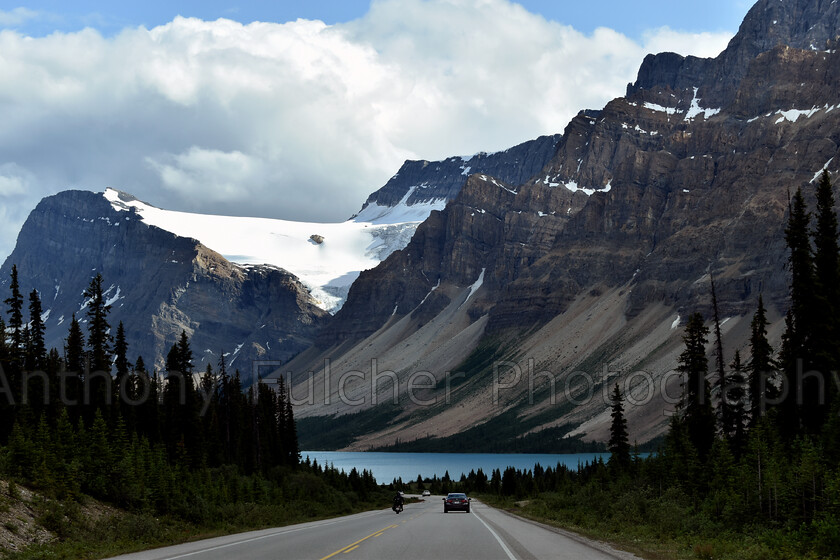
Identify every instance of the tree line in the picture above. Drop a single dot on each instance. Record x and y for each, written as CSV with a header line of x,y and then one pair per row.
x,y
752,452
87,419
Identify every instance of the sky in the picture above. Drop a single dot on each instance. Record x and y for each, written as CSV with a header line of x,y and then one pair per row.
x,y
300,109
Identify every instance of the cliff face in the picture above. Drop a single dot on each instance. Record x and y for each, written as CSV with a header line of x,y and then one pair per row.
x,y
158,285
688,174
442,180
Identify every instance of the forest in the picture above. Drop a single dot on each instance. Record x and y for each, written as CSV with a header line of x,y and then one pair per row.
x,y
179,454
750,464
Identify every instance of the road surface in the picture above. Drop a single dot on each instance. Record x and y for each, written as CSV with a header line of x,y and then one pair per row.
x,y
420,532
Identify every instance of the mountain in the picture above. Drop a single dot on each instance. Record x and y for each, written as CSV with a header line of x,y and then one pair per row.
x,y
158,284
541,294
257,289
423,182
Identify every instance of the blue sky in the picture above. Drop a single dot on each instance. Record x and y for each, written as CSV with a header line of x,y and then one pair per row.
x,y
303,115
630,18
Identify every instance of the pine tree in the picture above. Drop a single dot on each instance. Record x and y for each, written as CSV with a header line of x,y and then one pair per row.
x,y
99,339
120,355
695,407
15,303
38,350
74,349
798,342
827,329
724,407
619,444
290,444
736,394
761,365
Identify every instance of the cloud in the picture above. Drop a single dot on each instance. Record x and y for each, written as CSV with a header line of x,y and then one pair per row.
x,y
299,120
17,17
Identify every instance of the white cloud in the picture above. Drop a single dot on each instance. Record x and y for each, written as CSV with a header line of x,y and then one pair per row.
x,y
296,120
698,44
16,17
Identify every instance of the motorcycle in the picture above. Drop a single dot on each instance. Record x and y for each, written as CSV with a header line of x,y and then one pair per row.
x,y
397,507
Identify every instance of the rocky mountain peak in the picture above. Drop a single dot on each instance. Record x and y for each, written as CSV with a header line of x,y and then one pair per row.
x,y
801,24
421,181
157,284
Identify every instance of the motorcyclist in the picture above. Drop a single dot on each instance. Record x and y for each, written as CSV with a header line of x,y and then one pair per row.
x,y
398,501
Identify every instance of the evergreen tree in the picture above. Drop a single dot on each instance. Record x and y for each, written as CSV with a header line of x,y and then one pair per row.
x,y
724,406
74,349
801,322
99,339
38,350
15,303
761,365
120,355
696,411
827,329
736,393
619,444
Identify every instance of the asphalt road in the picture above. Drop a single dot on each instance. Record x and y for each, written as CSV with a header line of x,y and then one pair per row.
x,y
420,532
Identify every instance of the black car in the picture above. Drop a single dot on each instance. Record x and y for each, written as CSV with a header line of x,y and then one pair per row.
x,y
456,501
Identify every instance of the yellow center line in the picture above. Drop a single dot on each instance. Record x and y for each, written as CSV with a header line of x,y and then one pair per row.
x,y
355,545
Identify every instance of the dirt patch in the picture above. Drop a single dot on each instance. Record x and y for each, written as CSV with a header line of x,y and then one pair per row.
x,y
19,527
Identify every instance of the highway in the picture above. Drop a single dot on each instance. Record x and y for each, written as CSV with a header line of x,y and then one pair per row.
x,y
420,532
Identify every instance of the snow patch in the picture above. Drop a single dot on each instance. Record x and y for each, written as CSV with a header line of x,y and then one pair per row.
x,y
661,109
793,115
435,287
115,298
696,110
326,269
573,186
476,285
820,172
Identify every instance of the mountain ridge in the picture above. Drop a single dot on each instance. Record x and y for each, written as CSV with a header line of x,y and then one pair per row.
x,y
686,176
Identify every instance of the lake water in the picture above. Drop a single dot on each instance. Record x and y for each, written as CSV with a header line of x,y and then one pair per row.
x,y
388,466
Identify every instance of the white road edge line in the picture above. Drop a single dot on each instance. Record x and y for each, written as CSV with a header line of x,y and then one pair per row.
x,y
252,539
498,538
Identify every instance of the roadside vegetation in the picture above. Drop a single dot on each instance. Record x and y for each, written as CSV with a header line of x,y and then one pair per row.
x,y
750,466
101,456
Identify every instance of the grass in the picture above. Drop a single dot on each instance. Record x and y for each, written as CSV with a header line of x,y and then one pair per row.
x,y
82,536
661,528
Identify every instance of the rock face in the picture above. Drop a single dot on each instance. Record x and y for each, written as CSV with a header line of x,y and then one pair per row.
x,y
442,180
158,285
687,175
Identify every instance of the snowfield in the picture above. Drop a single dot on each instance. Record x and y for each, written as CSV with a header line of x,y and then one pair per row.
x,y
327,268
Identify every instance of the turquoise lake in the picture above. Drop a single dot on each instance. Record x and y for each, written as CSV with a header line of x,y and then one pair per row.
x,y
388,466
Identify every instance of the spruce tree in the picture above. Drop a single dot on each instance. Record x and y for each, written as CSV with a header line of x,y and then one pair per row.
x,y
827,278
696,411
15,312
724,406
74,349
802,319
736,393
99,339
619,444
37,331
120,354
761,365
